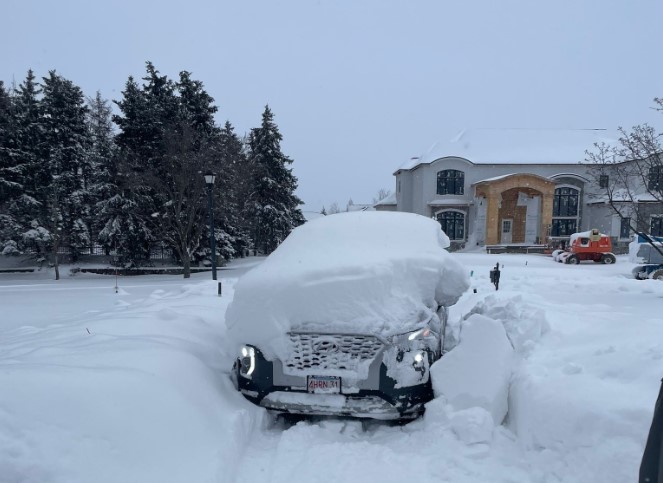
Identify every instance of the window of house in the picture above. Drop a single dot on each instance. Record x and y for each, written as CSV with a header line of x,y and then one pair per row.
x,y
565,211
563,227
655,178
565,202
450,182
604,179
656,228
453,224
625,228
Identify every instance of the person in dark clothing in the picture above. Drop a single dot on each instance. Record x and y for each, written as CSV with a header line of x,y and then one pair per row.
x,y
651,467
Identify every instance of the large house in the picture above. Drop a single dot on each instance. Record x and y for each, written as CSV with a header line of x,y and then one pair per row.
x,y
513,186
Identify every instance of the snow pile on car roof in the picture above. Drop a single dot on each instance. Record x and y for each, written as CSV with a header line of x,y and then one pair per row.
x,y
363,272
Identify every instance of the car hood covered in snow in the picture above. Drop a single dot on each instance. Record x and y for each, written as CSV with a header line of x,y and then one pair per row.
x,y
381,273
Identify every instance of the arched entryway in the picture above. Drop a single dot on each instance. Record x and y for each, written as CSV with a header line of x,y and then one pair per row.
x,y
518,208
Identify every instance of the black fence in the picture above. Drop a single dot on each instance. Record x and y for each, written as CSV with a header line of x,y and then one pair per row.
x,y
156,253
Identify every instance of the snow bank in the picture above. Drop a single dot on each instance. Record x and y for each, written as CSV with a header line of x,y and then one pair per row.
x,y
138,393
524,323
369,272
477,371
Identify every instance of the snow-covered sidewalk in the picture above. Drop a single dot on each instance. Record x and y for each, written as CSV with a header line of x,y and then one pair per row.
x,y
133,387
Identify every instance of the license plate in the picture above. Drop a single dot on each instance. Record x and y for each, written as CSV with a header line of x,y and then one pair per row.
x,y
324,384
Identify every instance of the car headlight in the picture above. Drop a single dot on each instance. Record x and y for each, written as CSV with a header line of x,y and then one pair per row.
x,y
419,338
247,361
417,344
419,361
419,334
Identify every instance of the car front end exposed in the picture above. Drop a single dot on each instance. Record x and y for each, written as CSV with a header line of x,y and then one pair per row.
x,y
346,317
359,375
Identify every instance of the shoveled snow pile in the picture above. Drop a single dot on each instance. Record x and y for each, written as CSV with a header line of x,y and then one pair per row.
x,y
477,371
472,381
363,272
524,323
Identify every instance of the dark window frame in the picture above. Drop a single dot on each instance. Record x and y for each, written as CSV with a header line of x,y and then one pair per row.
x,y
604,181
566,201
566,211
450,182
656,226
453,224
625,228
655,181
564,226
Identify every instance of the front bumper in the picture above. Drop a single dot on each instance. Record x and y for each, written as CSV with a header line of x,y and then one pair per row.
x,y
376,397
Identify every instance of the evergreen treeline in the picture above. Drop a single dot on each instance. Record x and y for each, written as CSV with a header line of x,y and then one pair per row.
x,y
73,175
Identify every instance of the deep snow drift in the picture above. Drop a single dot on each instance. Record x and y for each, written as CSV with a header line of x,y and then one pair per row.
x,y
133,387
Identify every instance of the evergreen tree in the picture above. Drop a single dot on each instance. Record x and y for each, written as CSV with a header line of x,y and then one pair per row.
x,y
273,205
8,177
10,180
64,157
233,238
167,135
190,148
116,226
125,210
21,168
197,107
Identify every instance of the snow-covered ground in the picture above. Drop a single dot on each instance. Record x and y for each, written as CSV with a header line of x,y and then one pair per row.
x,y
99,386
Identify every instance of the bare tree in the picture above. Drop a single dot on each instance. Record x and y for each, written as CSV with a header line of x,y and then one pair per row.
x,y
333,209
630,174
381,194
180,221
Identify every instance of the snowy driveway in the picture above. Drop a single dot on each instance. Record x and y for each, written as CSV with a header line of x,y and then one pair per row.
x,y
132,387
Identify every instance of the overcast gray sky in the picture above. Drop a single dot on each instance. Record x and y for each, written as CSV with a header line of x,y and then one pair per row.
x,y
359,86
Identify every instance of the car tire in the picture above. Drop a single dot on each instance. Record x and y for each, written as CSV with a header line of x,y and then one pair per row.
x,y
657,274
608,259
573,260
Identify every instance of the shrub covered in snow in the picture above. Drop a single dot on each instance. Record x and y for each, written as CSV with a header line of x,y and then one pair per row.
x,y
9,248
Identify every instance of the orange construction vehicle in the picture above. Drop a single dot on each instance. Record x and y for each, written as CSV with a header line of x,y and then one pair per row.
x,y
588,245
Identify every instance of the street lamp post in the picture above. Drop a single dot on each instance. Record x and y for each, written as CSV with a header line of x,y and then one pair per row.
x,y
209,180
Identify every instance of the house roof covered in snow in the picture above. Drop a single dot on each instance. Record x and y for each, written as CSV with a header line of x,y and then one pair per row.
x,y
515,146
389,200
311,215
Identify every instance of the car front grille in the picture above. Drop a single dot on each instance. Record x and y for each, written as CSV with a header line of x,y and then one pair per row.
x,y
311,351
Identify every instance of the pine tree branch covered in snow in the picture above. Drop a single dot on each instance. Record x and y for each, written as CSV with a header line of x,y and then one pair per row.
x,y
73,175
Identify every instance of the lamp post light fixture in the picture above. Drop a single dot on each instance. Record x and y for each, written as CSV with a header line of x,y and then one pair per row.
x,y
209,180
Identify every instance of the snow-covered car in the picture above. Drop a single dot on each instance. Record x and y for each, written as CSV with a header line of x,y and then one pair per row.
x,y
346,317
563,257
555,254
